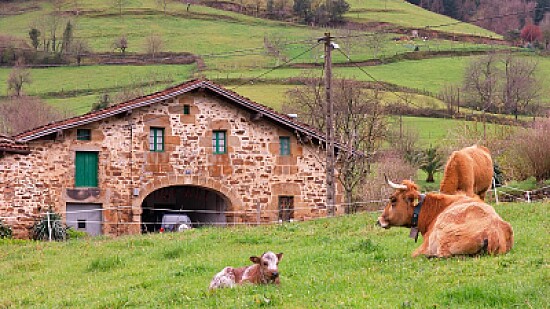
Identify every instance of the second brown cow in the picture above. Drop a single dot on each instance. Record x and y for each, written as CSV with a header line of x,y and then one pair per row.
x,y
469,170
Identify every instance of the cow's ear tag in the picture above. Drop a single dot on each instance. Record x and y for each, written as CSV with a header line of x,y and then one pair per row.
x,y
414,233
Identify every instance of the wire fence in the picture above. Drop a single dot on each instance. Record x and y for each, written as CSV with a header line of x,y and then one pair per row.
x,y
244,217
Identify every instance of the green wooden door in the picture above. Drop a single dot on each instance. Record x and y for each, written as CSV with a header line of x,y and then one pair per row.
x,y
86,169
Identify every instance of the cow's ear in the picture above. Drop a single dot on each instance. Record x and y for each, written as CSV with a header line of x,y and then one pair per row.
x,y
412,197
255,259
279,256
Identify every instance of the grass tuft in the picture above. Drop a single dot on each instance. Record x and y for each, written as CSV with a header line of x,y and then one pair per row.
x,y
103,264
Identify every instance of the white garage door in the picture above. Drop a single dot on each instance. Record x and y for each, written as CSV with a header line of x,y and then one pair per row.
x,y
85,217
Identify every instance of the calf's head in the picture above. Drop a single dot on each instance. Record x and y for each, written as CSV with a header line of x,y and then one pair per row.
x,y
400,209
269,264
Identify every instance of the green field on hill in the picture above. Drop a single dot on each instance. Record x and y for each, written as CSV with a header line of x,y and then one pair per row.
x,y
232,47
402,13
345,262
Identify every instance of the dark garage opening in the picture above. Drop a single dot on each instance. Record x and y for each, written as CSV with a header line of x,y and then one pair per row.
x,y
203,206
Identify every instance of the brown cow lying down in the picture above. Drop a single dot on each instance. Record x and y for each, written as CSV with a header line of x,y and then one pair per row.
x,y
263,271
469,170
450,224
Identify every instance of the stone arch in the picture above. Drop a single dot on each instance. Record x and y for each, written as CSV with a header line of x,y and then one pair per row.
x,y
234,202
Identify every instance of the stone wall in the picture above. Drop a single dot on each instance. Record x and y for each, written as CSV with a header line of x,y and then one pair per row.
x,y
251,172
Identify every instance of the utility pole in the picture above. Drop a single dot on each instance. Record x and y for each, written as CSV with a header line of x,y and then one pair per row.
x,y
330,200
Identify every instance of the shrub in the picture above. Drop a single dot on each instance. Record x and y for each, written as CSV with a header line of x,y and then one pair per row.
x,y
74,234
5,230
51,220
530,148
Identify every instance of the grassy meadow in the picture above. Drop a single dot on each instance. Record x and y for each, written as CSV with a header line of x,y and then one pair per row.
x,y
399,12
344,262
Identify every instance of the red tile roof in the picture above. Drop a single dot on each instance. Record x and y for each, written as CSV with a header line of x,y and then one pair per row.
x,y
169,93
8,144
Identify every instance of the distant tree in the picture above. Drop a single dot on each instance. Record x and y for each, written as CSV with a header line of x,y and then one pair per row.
x,y
302,8
121,43
450,94
80,48
376,43
53,23
480,82
34,35
274,46
154,44
103,101
520,88
512,36
18,77
337,9
431,161
67,38
541,7
531,33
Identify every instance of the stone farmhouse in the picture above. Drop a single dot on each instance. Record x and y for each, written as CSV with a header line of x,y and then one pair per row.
x,y
196,148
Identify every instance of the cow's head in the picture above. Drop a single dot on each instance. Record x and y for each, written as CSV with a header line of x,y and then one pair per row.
x,y
269,264
400,208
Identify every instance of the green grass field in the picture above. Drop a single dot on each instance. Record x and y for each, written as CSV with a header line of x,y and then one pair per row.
x,y
402,13
344,262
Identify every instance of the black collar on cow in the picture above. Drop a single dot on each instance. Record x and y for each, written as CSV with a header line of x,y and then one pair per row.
x,y
414,220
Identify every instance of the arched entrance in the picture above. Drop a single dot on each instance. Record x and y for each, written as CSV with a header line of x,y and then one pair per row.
x,y
203,206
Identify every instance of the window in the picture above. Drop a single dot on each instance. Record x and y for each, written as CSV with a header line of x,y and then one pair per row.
x,y
186,109
156,139
81,224
218,142
284,142
83,134
86,169
286,208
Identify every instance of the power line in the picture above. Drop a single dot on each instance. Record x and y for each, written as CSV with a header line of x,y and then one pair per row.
x,y
277,67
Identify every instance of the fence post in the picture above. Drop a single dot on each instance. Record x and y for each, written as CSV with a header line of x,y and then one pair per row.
x,y
49,226
495,188
528,196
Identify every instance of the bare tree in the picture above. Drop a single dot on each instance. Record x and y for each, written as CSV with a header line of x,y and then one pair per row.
x,y
18,77
18,114
121,43
359,125
80,48
54,21
450,94
376,43
274,46
154,44
520,87
480,82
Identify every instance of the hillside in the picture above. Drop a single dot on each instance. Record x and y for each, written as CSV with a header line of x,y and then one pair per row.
x,y
231,49
336,262
403,14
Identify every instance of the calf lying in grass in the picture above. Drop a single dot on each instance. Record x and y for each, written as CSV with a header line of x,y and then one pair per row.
x,y
263,271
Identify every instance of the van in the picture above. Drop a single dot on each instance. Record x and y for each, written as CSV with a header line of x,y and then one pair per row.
x,y
175,222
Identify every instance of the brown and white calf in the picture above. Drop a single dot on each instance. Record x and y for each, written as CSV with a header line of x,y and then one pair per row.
x,y
450,224
264,271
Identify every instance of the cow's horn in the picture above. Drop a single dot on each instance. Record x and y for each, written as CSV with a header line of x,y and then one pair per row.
x,y
394,185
